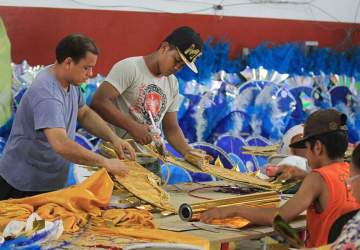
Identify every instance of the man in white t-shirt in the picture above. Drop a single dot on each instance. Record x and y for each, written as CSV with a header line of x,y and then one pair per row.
x,y
137,86
289,163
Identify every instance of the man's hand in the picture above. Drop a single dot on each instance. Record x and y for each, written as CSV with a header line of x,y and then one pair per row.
x,y
116,167
141,133
270,170
197,157
217,213
287,172
120,146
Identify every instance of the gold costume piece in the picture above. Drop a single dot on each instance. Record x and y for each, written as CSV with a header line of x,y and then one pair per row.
x,y
145,185
203,166
261,150
198,158
139,181
249,179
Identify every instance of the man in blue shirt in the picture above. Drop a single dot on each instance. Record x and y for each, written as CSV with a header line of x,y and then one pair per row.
x,y
41,143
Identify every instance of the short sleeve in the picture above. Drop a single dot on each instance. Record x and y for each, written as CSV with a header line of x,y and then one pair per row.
x,y
175,96
48,113
122,75
81,101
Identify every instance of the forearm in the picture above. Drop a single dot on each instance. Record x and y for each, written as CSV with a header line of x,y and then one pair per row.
x,y
257,215
286,172
110,113
74,152
93,123
301,175
177,140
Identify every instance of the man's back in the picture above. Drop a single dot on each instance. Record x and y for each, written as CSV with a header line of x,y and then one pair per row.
x,y
334,201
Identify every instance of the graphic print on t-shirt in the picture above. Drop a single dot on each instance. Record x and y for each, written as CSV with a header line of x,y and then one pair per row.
x,y
151,98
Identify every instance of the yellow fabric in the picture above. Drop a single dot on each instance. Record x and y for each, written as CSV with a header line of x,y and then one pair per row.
x,y
73,204
130,218
139,224
13,211
72,222
79,204
155,235
236,222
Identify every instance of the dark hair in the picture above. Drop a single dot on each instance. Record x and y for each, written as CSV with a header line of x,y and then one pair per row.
x,y
355,158
75,46
335,143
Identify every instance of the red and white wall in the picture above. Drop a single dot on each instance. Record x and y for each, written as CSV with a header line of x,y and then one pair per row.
x,y
129,27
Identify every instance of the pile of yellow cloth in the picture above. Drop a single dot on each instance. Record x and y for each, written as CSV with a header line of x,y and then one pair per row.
x,y
10,212
130,218
74,205
78,204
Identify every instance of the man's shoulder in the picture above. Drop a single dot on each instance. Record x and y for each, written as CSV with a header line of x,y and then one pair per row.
x,y
43,79
336,167
134,59
128,65
314,181
173,82
172,78
131,61
314,175
44,86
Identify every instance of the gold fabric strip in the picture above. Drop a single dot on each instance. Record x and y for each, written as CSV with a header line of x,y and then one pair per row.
x,y
145,185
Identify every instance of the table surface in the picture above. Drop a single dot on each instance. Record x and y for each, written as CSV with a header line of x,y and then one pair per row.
x,y
179,194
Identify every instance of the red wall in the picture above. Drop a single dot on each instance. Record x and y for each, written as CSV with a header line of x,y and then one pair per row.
x,y
34,32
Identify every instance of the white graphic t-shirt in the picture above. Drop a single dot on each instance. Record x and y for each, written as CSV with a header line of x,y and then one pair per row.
x,y
140,91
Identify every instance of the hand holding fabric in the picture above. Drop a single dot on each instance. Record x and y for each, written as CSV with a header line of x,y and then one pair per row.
x,y
157,139
116,167
120,146
287,172
140,133
217,213
197,157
